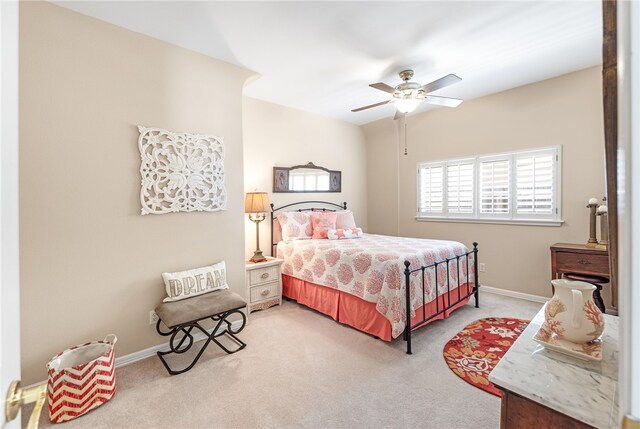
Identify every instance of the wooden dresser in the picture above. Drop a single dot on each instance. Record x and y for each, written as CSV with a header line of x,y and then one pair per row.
x,y
579,259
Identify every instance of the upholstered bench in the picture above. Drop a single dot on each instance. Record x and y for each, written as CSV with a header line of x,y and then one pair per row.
x,y
184,315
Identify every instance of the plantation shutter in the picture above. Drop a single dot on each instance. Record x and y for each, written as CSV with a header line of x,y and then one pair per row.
x,y
535,178
431,189
460,187
520,187
494,186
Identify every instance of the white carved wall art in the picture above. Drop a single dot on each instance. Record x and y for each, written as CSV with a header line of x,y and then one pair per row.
x,y
181,172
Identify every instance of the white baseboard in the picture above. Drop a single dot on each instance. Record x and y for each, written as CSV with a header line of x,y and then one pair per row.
x,y
528,297
151,351
513,294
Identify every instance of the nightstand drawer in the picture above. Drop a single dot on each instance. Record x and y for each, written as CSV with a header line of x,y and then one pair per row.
x,y
263,275
259,293
582,263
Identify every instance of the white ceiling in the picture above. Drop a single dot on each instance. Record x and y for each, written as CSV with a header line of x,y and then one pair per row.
x,y
320,56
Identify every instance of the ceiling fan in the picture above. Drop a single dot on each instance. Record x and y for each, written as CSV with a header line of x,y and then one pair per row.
x,y
408,95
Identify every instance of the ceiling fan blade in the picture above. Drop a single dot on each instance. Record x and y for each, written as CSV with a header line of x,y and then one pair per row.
x,y
449,79
383,87
398,115
371,105
443,101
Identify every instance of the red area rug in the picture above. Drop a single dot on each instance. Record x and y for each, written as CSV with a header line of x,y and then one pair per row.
x,y
478,348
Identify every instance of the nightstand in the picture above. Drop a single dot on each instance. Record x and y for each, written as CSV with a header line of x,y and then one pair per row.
x,y
264,284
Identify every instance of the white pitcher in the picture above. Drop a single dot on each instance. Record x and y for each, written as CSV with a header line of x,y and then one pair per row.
x,y
571,314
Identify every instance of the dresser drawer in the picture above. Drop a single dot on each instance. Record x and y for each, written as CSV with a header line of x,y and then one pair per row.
x,y
269,290
263,275
582,263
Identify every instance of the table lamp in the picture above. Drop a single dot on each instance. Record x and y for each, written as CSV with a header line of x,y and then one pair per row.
x,y
257,205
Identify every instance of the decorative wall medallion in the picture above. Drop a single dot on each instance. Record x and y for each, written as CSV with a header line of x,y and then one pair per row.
x,y
181,172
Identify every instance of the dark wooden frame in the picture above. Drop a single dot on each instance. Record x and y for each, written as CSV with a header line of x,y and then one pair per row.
x,y
610,106
334,176
447,263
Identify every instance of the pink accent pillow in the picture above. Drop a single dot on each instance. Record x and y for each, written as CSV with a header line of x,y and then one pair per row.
x,y
321,222
345,220
337,234
295,225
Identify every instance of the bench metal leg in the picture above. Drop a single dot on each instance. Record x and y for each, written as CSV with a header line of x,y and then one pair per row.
x,y
177,343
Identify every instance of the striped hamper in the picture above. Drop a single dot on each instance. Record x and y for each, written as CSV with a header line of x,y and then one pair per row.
x,y
80,379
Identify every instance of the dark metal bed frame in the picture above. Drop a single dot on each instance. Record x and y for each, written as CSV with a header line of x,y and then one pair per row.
x,y
448,263
461,297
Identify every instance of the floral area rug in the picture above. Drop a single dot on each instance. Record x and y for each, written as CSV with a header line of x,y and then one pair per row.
x,y
476,350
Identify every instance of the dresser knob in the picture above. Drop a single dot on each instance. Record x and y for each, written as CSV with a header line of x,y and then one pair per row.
x,y
265,292
264,275
584,262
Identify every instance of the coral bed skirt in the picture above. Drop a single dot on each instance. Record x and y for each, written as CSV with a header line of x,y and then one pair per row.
x,y
356,312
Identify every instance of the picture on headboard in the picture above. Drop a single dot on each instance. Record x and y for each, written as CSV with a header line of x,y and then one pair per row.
x,y
306,178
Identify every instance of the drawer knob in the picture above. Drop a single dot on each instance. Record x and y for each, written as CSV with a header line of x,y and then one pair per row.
x,y
264,275
265,292
584,262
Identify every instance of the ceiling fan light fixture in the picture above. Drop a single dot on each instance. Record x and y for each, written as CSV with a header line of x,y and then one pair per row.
x,y
406,105
408,95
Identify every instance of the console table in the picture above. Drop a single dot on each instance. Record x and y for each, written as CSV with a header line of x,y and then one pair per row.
x,y
543,388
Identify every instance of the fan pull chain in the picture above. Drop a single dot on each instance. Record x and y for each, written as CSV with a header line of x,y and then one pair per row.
x,y
404,118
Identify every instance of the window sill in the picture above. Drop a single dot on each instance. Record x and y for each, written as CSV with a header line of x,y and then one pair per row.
x,y
529,222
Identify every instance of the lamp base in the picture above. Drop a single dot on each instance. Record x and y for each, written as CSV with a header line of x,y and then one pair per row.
x,y
258,257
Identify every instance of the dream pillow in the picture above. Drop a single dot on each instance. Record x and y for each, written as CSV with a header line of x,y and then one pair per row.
x,y
190,283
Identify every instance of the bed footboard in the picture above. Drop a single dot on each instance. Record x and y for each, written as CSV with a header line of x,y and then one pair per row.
x,y
450,263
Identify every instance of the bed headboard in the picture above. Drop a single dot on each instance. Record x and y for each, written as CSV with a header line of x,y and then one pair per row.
x,y
302,206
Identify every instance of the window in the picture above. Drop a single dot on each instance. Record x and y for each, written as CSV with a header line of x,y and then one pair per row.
x,y
518,187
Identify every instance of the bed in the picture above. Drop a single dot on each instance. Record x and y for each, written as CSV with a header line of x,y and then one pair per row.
x,y
384,286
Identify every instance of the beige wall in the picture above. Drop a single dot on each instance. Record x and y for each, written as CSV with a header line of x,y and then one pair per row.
x,y
279,136
563,111
90,263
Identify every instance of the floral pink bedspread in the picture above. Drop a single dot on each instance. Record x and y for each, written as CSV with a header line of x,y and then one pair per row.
x,y
372,268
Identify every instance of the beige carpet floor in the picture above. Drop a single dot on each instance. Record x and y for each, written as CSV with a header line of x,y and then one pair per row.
x,y
301,369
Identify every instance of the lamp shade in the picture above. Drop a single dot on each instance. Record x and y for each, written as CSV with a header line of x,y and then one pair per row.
x,y
256,202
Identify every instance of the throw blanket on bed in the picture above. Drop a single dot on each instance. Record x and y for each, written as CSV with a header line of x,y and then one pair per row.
x,y
372,268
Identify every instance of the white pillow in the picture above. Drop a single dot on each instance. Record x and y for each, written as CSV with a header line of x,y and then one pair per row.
x,y
190,283
345,220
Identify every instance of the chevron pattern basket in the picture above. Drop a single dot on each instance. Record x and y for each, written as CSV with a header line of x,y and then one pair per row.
x,y
80,379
